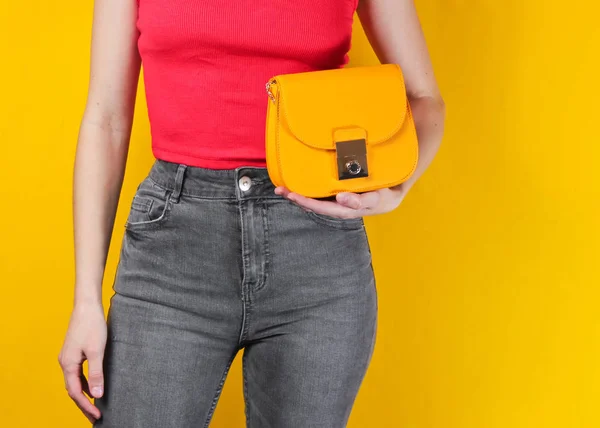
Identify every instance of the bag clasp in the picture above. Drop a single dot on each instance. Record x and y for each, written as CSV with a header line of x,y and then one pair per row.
x,y
352,158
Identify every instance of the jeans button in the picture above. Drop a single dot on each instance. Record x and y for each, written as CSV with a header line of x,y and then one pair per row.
x,y
245,183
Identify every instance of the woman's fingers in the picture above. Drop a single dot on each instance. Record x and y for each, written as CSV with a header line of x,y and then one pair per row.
x,y
73,373
84,385
346,204
281,191
330,208
367,200
350,200
95,374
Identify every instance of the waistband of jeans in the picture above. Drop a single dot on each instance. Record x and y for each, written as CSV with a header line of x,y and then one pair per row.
x,y
244,182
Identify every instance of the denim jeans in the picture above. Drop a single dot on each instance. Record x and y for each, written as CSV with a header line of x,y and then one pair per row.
x,y
213,261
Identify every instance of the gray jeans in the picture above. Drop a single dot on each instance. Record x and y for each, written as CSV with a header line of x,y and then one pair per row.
x,y
212,261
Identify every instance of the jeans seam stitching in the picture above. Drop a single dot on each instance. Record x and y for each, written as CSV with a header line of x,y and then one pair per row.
x,y
244,293
266,253
246,397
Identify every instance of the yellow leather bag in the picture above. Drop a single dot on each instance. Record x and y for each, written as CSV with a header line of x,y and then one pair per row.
x,y
347,129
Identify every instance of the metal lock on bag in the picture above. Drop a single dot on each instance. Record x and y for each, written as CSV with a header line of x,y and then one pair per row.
x,y
351,155
352,159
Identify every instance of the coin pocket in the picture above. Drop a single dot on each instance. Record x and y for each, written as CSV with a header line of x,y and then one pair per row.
x,y
149,207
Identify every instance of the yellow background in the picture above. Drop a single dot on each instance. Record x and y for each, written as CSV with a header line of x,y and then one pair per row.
x,y
488,277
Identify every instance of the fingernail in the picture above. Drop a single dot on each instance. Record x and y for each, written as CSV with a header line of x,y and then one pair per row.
x,y
97,390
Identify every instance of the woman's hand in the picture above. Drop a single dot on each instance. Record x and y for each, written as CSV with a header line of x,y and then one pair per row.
x,y
350,205
85,339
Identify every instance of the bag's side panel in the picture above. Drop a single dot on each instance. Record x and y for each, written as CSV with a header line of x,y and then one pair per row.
x,y
271,143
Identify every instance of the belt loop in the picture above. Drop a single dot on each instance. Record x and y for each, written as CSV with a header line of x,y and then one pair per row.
x,y
178,182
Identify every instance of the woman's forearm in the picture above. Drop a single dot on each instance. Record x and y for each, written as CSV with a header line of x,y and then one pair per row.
x,y
429,115
97,179
395,34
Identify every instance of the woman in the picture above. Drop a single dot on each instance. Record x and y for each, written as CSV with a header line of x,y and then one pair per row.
x,y
215,258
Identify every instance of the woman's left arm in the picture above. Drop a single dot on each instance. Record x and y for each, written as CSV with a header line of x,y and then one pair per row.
x,y
395,34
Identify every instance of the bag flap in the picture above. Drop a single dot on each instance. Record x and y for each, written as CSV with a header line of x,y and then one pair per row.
x,y
313,105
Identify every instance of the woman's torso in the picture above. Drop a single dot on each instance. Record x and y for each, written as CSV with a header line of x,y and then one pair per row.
x,y
206,63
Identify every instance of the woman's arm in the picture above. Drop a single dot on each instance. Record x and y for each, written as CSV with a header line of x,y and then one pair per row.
x,y
103,140
99,168
394,32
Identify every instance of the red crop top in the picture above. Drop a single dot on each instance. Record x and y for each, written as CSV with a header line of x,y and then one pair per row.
x,y
205,65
